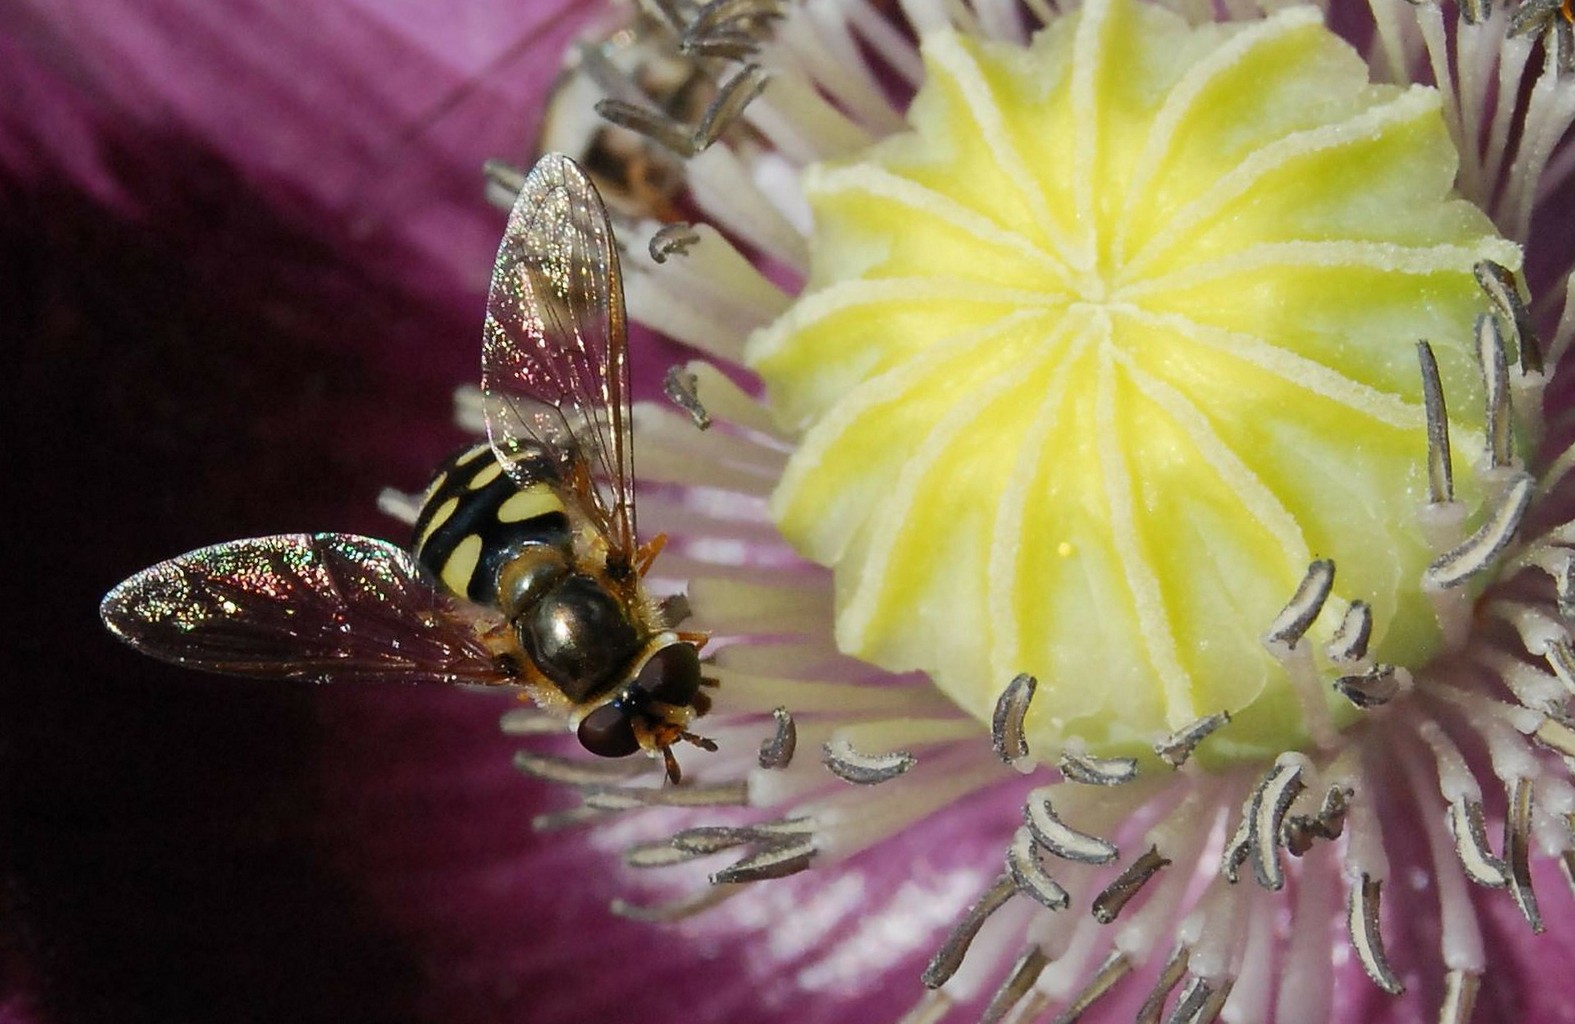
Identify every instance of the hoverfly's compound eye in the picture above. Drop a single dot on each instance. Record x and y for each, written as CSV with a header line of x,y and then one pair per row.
x,y
608,732
527,577
671,676
578,635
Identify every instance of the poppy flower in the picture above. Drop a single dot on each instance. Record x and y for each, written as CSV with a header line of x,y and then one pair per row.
x,y
907,846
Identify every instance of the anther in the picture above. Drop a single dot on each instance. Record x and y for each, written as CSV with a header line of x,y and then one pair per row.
x,y
503,183
1532,16
1499,285
672,240
1169,976
1030,876
625,798
1373,688
1201,1001
1006,724
1479,550
1115,896
1440,468
735,94
676,910
1517,852
1349,643
747,18
1556,735
1116,966
1475,12
1299,614
1281,785
1302,830
1564,591
1460,996
1097,771
1017,984
577,771
782,848
1561,659
1239,848
1467,825
1060,839
1362,915
654,125
949,957
1178,747
1493,361
681,388
862,769
777,752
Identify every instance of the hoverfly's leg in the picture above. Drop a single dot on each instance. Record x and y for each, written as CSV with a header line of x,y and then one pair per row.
x,y
710,682
694,639
648,552
701,702
700,741
675,775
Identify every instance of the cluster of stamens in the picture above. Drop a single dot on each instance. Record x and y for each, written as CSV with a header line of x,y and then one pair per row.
x,y
1161,866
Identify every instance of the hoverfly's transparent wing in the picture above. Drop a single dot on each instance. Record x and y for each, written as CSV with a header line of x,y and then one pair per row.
x,y
555,359
325,606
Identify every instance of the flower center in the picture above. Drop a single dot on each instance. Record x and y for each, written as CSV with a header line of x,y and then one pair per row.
x,y
1116,340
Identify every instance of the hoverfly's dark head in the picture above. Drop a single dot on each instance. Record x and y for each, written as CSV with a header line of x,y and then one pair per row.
x,y
659,698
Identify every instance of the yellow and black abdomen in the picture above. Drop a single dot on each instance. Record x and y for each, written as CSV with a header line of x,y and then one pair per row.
x,y
475,518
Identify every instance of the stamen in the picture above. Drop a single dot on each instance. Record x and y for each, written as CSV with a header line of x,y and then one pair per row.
x,y
1175,968
1556,735
1201,1002
1097,771
1030,876
1116,967
1493,361
1018,983
1178,747
1362,922
1270,800
577,771
680,386
950,956
654,125
1467,825
777,752
1517,852
530,722
1006,725
1499,284
503,183
677,910
1373,688
1115,896
1440,468
735,94
1479,550
781,848
1299,614
1460,996
672,240
1301,830
625,798
1060,839
864,769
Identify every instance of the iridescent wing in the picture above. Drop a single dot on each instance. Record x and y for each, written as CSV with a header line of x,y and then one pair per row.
x,y
555,354
324,606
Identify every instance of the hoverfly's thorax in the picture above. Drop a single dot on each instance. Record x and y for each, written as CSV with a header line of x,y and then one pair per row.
x,y
475,520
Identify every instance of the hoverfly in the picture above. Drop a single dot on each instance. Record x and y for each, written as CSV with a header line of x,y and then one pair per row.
x,y
525,569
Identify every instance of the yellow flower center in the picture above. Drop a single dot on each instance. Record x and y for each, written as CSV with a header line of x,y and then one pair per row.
x,y
1096,359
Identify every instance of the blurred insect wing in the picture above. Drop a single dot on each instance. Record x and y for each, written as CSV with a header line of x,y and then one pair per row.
x,y
555,361
326,606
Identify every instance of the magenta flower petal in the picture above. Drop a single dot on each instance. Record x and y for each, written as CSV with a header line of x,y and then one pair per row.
x,y
247,258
